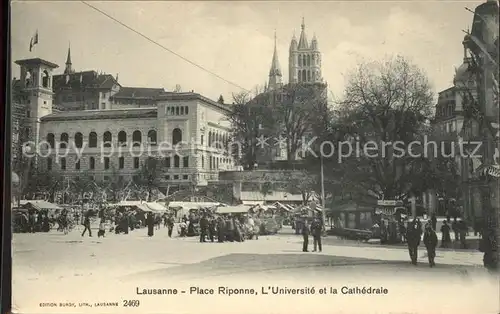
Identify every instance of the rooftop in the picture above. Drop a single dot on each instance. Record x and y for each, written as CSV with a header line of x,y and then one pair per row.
x,y
102,114
36,61
139,92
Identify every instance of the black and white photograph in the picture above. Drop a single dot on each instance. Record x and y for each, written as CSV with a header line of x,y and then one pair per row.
x,y
254,157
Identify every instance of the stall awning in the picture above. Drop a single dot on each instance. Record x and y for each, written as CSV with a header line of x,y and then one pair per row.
x,y
233,209
40,204
193,205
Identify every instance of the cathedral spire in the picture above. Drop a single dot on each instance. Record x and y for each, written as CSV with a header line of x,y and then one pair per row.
x,y
68,62
275,71
303,44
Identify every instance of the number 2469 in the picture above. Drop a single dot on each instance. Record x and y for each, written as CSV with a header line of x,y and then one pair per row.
x,y
131,303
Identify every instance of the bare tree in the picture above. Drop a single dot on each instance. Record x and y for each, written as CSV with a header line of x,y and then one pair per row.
x,y
385,108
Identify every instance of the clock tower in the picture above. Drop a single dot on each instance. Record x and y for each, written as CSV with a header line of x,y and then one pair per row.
x,y
37,94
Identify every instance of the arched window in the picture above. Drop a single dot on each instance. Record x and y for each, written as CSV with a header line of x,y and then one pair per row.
x,y
210,138
176,136
137,138
122,138
308,60
177,161
300,60
186,110
152,137
64,140
50,140
308,75
176,111
210,162
182,110
92,163
78,140
45,79
93,139
107,139
304,60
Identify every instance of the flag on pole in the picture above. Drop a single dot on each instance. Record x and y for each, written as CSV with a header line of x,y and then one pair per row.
x,y
34,40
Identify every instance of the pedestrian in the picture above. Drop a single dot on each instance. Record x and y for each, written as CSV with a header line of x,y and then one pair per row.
x,y
462,229
316,229
86,225
230,229
212,226
305,235
445,234
221,224
102,228
45,224
170,225
430,241
433,221
456,228
150,222
203,228
183,229
413,239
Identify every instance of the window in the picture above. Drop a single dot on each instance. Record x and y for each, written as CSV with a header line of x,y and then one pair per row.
x,y
176,111
122,138
176,136
185,161
106,163
152,137
77,165
121,162
50,140
168,162
202,139
28,113
186,110
137,138
93,139
136,162
78,140
107,139
64,140
167,177
49,163
92,163
185,177
182,110
177,161
202,162
45,79
176,177
210,139
63,163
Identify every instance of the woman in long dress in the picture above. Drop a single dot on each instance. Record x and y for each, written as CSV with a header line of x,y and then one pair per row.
x,y
150,223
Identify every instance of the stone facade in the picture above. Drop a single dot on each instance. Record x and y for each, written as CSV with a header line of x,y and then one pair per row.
x,y
176,129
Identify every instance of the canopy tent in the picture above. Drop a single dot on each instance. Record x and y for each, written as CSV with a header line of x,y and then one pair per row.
x,y
240,209
144,206
183,208
39,205
285,207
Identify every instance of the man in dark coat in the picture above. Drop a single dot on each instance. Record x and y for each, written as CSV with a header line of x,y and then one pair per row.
x,y
445,231
86,224
316,229
230,229
221,226
150,222
433,221
170,225
430,241
203,228
305,235
212,226
413,238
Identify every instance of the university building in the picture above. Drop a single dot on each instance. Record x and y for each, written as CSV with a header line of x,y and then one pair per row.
x,y
85,121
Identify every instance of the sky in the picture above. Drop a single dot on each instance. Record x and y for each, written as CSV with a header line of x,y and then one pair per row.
x,y
235,40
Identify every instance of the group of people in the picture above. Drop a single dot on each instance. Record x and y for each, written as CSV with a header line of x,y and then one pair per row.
x,y
314,228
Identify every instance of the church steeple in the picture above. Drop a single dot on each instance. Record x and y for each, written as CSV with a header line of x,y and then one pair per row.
x,y
303,44
68,69
275,71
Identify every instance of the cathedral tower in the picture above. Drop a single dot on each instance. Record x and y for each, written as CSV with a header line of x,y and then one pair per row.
x,y
304,61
